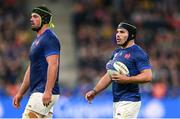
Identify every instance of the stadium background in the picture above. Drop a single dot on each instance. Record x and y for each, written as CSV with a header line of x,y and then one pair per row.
x,y
86,29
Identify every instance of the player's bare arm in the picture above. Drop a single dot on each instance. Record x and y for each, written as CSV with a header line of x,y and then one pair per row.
x,y
53,62
101,85
24,87
143,77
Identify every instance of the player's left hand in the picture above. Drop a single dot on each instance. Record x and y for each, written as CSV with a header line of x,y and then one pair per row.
x,y
120,78
46,99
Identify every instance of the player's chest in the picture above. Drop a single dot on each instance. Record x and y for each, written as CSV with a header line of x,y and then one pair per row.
x,y
36,47
124,56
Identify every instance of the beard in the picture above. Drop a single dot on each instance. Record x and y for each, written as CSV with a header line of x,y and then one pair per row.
x,y
123,44
36,28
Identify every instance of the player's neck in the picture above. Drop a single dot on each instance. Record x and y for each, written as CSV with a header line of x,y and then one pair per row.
x,y
42,30
129,44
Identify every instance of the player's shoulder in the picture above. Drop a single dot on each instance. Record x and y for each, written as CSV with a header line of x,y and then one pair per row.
x,y
50,38
139,51
51,34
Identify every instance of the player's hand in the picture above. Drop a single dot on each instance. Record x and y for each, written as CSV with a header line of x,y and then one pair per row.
x,y
120,78
90,96
46,99
16,100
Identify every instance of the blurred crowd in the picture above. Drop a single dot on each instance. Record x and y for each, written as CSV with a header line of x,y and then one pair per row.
x,y
14,44
158,25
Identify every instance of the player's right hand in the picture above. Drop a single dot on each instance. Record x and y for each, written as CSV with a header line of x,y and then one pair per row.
x,y
90,96
16,100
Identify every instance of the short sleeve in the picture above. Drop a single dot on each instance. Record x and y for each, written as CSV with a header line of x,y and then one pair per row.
x,y
142,61
51,46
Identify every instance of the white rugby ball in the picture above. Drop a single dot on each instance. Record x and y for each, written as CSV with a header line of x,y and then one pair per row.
x,y
119,68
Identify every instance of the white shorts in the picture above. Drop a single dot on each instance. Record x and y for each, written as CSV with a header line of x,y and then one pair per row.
x,y
126,109
35,104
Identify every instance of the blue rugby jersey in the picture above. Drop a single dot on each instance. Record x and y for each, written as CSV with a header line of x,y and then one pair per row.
x,y
136,60
45,45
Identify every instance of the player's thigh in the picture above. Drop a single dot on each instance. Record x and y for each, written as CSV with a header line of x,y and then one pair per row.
x,y
49,116
35,104
28,114
126,109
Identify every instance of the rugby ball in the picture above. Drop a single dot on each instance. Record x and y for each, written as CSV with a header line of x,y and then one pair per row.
x,y
118,67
